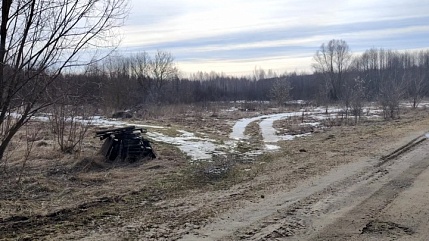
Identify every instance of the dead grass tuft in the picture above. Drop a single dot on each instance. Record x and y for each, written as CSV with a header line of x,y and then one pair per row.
x,y
218,169
221,172
90,164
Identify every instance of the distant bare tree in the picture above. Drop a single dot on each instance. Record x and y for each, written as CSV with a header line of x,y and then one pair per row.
x,y
258,73
416,86
393,84
140,69
368,66
332,60
271,74
162,71
38,39
415,76
118,87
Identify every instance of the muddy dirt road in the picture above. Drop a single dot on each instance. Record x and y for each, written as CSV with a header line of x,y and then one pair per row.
x,y
376,199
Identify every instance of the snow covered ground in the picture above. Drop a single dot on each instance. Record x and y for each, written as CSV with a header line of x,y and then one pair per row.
x,y
269,133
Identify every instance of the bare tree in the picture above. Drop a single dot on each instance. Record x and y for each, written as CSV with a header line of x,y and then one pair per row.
x,y
140,68
271,74
416,86
119,89
368,68
140,64
415,76
258,74
38,40
393,83
162,71
332,61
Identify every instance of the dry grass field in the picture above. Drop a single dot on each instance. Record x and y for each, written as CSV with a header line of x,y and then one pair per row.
x,y
53,195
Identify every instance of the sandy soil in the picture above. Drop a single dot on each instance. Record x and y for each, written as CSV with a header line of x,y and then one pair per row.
x,y
337,184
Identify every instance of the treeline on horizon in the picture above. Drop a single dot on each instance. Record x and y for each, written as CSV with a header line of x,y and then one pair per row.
x,y
125,82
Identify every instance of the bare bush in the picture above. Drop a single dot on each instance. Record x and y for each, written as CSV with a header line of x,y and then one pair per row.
x,y
69,124
357,98
280,92
70,116
32,134
393,85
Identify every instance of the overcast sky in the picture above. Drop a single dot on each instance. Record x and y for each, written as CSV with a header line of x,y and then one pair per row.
x,y
234,36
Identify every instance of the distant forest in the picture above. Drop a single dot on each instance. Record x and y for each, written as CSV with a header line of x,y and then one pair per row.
x,y
124,82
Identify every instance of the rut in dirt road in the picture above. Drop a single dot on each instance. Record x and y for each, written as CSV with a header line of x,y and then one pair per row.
x,y
313,209
363,216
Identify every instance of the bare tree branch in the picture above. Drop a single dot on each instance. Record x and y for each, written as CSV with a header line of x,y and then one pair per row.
x,y
38,40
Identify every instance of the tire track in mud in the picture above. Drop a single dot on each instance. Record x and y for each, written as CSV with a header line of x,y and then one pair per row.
x,y
254,217
322,202
360,218
318,210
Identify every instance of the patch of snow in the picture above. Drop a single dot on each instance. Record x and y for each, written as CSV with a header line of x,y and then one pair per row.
x,y
292,137
254,153
240,126
102,121
147,126
266,125
41,118
188,135
374,116
247,101
409,104
232,109
323,117
268,131
314,124
99,121
269,147
424,104
287,137
298,102
195,147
